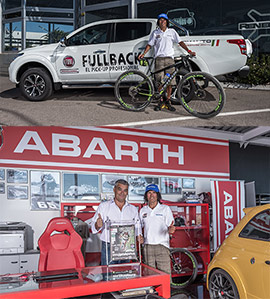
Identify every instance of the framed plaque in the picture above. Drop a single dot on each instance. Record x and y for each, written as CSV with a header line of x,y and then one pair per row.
x,y
123,242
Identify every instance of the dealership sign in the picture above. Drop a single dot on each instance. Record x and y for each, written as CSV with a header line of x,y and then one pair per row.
x,y
228,200
260,21
114,150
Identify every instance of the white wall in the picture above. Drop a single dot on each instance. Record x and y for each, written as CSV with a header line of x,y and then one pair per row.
x,y
19,209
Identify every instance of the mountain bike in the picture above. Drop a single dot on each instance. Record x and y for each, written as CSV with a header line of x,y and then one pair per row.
x,y
198,92
184,267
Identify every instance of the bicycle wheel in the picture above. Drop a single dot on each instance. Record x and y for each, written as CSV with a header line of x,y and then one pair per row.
x,y
134,90
207,97
186,92
184,268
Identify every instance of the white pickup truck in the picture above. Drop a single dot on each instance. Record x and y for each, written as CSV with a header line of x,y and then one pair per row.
x,y
97,53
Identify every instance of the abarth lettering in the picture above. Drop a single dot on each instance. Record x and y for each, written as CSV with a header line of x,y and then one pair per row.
x,y
228,213
70,146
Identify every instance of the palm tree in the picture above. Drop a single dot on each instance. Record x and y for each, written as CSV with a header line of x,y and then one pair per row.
x,y
55,36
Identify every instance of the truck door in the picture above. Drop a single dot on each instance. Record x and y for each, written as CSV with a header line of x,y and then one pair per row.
x,y
128,41
85,56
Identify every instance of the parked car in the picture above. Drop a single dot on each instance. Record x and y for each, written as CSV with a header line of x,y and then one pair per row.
x,y
97,53
241,266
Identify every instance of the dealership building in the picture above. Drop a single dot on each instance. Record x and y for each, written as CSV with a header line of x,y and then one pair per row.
x,y
26,23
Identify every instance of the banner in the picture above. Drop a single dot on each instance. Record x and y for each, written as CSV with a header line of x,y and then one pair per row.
x,y
114,150
228,202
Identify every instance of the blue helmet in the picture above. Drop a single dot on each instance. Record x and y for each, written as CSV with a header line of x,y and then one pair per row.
x,y
153,187
164,16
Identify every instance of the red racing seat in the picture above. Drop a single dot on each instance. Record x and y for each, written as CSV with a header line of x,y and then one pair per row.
x,y
60,246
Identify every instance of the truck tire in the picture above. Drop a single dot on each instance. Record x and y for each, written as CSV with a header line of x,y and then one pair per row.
x,y
36,84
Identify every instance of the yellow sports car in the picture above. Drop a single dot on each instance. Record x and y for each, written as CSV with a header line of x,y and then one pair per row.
x,y
241,266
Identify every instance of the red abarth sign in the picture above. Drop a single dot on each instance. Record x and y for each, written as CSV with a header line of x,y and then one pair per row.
x,y
228,200
117,150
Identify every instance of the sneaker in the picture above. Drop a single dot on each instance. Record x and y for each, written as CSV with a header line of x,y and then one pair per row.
x,y
160,106
169,106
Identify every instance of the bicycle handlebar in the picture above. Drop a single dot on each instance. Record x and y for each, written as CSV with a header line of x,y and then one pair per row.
x,y
148,58
182,59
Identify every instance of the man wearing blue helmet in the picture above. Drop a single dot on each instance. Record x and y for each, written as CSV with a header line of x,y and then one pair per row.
x,y
162,39
157,221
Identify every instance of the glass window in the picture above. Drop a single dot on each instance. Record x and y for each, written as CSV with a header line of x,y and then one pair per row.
x,y
8,4
52,14
46,3
92,35
13,36
39,33
107,14
91,2
209,17
131,30
12,15
258,227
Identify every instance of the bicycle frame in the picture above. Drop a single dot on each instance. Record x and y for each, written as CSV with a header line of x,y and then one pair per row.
x,y
199,93
184,62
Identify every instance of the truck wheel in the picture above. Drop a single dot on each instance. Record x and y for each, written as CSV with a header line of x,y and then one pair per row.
x,y
36,84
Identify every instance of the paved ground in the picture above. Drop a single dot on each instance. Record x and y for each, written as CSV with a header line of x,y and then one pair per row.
x,y
87,107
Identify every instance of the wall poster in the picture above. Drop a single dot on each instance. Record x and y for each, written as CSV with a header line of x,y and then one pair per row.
x,y
188,183
17,176
137,185
171,185
17,192
45,190
2,188
108,181
2,174
80,186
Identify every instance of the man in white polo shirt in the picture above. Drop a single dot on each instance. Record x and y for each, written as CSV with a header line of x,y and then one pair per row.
x,y
162,39
116,210
157,221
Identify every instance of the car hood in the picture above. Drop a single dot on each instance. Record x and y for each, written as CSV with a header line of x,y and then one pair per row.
x,y
40,49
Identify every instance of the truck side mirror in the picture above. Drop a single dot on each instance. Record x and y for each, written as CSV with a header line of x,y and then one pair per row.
x,y
63,42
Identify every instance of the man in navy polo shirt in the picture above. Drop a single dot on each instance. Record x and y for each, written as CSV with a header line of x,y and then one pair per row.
x,y
157,221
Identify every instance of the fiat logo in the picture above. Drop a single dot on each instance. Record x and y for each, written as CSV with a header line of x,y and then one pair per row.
x,y
68,61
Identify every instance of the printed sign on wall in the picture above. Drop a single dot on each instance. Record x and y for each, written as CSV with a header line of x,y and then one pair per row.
x,y
114,150
228,201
